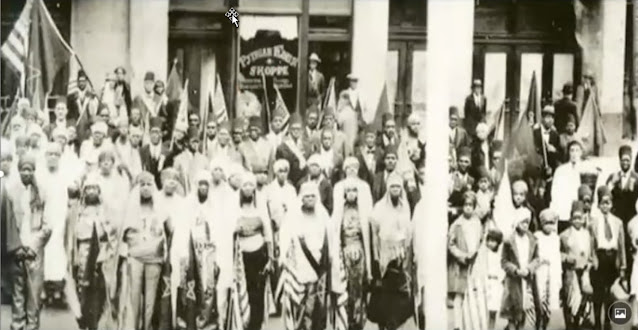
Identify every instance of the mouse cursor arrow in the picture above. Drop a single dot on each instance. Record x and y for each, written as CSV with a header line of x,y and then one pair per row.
x,y
235,21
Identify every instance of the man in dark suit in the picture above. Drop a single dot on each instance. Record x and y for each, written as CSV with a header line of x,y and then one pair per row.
x,y
458,135
315,174
369,156
379,186
295,149
564,108
316,81
388,137
475,108
624,187
154,154
547,142
82,100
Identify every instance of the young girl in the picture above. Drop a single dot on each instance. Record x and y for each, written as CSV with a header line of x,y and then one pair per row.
x,y
495,274
576,250
484,195
548,274
519,261
464,238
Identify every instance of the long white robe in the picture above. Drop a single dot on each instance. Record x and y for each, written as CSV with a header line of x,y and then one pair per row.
x,y
55,261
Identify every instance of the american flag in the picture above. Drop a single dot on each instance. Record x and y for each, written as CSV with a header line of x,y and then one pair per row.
x,y
16,47
280,106
238,306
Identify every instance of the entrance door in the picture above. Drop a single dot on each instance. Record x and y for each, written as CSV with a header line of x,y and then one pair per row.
x,y
406,62
507,70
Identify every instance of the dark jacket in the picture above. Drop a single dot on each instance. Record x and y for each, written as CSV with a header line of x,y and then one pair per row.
x,y
512,306
284,152
553,158
366,173
474,113
461,139
325,191
624,198
563,108
154,166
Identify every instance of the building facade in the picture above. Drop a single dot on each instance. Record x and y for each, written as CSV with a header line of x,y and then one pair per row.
x,y
384,42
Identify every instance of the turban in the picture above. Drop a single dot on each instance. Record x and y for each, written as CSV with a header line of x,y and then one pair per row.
x,y
548,110
59,132
281,164
53,147
522,214
21,141
260,168
495,234
202,176
520,185
218,163
578,206
99,127
583,191
351,162
483,173
18,121
35,129
394,180
26,160
603,191
624,150
314,159
548,216
169,174
308,189
571,119
414,118
145,177
235,170
248,179
104,154
482,127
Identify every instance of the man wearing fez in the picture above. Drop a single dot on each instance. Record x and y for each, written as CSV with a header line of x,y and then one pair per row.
x,y
460,181
475,105
82,102
210,135
256,150
98,142
237,131
547,142
316,82
25,245
294,149
153,155
358,104
144,247
564,108
388,137
624,186
145,101
458,135
176,144
190,161
369,156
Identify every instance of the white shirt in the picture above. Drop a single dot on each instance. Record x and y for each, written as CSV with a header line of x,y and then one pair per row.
x,y
545,134
156,150
354,97
565,189
327,160
477,99
486,151
624,179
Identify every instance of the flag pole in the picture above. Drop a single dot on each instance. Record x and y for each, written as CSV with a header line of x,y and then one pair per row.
x,y
266,101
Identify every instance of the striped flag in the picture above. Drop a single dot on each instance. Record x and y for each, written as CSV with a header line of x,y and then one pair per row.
x,y
499,124
16,47
187,293
238,306
218,103
182,113
290,290
330,101
280,107
340,321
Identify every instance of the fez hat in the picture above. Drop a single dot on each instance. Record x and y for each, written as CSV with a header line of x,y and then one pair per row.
x,y
603,191
477,83
352,77
149,76
463,152
315,57
254,121
624,150
386,117
295,119
454,111
548,110
577,206
82,74
192,133
495,235
155,122
568,88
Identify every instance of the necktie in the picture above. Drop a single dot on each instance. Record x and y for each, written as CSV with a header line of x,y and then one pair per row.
x,y
608,234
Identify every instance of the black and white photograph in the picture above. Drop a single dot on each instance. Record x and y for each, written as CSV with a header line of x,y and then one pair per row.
x,y
318,164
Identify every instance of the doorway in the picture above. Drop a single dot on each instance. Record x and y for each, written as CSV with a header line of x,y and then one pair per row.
x,y
406,93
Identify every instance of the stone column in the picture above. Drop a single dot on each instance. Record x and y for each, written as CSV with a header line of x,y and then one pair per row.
x,y
369,49
612,71
449,28
101,41
148,41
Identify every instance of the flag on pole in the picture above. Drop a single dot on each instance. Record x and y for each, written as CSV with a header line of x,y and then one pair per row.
x,y
174,84
382,108
182,113
532,100
219,103
238,314
94,295
266,104
280,107
521,150
499,124
591,131
330,101
16,47
503,206
48,52
164,307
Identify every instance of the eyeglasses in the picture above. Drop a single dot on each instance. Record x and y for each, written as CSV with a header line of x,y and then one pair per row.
x,y
211,127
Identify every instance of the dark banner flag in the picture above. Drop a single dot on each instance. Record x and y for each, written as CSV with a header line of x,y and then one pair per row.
x,y
268,48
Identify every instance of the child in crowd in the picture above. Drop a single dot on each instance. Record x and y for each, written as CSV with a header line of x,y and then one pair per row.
x,y
464,239
484,195
520,191
460,182
495,274
548,274
520,261
577,255
610,262
568,136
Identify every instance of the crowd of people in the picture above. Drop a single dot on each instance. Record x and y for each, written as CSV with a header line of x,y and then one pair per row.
x,y
138,221
525,243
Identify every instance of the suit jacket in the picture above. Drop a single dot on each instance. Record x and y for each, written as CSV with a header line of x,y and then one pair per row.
x,y
284,151
564,107
77,106
365,173
379,187
461,139
512,305
325,191
154,166
623,198
474,113
316,88
553,158
621,256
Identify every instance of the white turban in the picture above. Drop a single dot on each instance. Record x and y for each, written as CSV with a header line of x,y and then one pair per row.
x,y
314,160
308,189
202,176
60,132
248,179
521,214
99,127
281,164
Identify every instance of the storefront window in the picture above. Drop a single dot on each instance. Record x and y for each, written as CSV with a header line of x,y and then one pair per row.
x,y
268,58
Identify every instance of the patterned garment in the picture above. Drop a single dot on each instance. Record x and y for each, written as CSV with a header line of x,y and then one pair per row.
x,y
356,306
